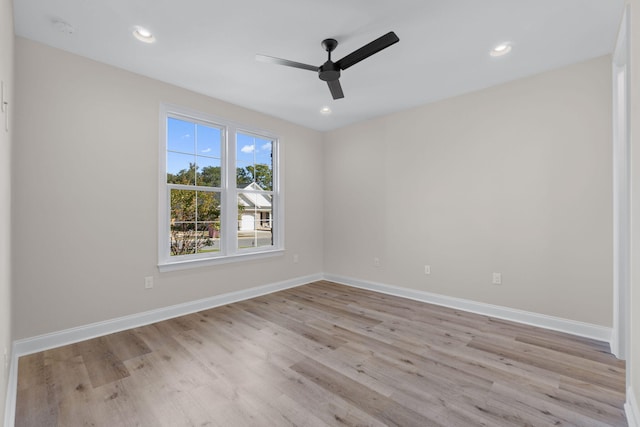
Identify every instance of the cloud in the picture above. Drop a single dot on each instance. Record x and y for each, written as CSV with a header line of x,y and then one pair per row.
x,y
186,136
207,150
266,146
248,149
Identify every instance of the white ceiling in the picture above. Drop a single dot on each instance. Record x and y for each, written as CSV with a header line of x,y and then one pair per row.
x,y
210,46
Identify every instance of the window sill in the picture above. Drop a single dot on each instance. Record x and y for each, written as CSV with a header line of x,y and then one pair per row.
x,y
204,262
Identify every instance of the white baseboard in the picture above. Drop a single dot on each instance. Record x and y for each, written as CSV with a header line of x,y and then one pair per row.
x,y
81,333
56,339
631,409
69,336
588,330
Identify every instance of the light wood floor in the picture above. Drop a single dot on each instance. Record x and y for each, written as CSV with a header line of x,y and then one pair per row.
x,y
325,354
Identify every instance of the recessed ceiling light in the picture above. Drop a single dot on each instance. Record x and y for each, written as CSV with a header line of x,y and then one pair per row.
x,y
325,111
501,49
143,34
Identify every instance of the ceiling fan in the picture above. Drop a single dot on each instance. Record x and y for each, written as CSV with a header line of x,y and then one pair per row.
x,y
330,71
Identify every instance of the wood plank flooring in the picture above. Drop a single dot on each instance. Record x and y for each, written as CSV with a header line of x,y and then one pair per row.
x,y
325,355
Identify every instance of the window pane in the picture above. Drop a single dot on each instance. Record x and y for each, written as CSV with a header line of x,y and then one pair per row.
x,y
245,147
208,142
208,221
180,168
181,136
208,172
255,220
254,162
195,222
183,222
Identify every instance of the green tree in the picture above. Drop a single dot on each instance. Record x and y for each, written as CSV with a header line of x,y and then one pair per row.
x,y
243,177
261,174
194,214
210,176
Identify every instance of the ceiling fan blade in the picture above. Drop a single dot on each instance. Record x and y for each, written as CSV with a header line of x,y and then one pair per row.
x,y
272,60
367,50
335,88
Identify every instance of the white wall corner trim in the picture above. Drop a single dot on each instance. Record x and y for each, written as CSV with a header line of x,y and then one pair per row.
x,y
631,409
573,327
12,391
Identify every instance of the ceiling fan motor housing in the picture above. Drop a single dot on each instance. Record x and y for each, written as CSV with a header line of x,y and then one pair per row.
x,y
329,71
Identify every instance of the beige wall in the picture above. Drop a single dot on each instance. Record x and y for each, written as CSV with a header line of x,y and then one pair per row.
x,y
633,364
513,179
6,75
85,203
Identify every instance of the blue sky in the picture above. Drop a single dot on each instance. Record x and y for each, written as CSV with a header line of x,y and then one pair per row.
x,y
252,150
189,142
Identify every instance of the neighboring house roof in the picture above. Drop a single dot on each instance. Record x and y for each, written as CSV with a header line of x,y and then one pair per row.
x,y
254,200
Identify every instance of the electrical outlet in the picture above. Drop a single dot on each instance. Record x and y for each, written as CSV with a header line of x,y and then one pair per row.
x,y
148,282
296,258
376,262
497,278
427,269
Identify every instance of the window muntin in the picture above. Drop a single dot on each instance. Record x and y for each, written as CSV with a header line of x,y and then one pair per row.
x,y
220,195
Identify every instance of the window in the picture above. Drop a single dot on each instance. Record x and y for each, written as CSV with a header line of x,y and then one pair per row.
x,y
219,191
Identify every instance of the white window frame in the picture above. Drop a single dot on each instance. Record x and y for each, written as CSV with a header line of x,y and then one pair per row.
x,y
228,195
